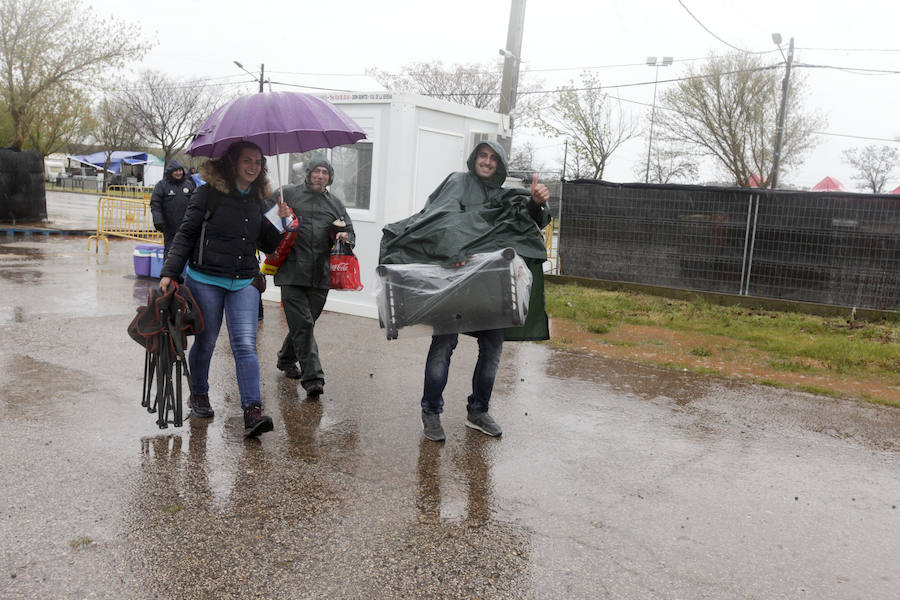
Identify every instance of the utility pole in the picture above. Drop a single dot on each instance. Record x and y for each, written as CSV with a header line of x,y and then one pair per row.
x,y
262,70
512,54
781,113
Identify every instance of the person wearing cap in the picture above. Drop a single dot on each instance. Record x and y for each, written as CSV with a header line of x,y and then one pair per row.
x,y
169,201
305,276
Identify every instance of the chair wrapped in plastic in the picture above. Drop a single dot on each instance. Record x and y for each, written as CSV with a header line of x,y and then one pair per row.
x,y
490,291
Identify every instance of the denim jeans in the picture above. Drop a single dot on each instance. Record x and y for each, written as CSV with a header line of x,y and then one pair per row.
x,y
437,367
240,309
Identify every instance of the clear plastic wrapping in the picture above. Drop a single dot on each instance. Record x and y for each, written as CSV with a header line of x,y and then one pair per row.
x,y
490,291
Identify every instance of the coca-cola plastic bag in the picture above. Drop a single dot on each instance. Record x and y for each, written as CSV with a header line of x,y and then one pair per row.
x,y
344,268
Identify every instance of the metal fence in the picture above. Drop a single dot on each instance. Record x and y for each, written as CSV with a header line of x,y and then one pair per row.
x,y
124,217
833,248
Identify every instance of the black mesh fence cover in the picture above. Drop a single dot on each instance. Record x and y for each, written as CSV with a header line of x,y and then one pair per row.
x,y
828,247
22,194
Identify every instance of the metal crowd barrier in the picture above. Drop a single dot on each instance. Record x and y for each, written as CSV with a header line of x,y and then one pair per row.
x,y
124,217
130,191
552,253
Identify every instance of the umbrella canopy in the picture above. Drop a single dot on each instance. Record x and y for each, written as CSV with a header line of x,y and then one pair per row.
x,y
829,184
278,122
896,190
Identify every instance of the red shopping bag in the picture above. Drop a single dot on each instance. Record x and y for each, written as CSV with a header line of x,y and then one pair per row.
x,y
344,268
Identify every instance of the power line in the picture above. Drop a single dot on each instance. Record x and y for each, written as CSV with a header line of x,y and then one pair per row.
x,y
710,32
858,137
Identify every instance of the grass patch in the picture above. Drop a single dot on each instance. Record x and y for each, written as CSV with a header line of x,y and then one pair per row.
x,y
172,509
852,349
701,352
80,542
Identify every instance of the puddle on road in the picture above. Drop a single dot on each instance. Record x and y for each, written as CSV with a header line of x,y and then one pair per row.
x,y
42,390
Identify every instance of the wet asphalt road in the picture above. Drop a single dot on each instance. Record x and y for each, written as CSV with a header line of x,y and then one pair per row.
x,y
611,480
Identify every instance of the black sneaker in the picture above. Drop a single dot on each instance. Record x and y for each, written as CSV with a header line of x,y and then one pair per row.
x,y
314,390
256,423
291,372
200,407
433,429
484,423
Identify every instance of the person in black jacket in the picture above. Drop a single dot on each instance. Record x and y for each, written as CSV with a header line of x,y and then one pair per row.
x,y
170,198
223,226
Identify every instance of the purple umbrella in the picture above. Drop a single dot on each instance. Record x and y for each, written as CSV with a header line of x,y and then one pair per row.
x,y
278,122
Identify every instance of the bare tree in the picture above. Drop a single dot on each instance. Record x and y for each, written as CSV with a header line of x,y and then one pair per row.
x,y
874,166
475,85
167,111
728,109
45,44
595,124
522,158
669,164
113,130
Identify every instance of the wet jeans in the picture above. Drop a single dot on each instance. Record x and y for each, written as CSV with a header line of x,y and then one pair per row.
x,y
240,309
437,367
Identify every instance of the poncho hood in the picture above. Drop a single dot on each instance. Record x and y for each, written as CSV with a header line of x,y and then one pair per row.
x,y
499,176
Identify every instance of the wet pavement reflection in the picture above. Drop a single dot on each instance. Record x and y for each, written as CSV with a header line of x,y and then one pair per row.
x,y
611,479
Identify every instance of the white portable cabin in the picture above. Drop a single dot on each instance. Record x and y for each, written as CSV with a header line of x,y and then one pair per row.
x,y
413,143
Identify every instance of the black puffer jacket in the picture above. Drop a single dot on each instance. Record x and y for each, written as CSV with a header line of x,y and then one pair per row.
x,y
169,201
235,228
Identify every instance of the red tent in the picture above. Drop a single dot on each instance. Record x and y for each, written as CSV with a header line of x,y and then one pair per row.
x,y
829,184
896,190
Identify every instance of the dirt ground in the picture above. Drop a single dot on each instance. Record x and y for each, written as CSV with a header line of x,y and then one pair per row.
x,y
717,355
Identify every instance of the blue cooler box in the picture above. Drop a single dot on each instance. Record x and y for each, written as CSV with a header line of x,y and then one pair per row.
x,y
142,256
156,261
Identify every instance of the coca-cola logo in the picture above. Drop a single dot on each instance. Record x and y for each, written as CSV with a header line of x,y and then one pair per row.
x,y
341,267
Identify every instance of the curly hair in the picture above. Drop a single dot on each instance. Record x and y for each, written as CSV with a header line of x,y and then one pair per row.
x,y
227,166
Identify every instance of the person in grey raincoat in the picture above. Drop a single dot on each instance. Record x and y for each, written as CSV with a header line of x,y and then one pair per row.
x,y
169,201
305,275
470,212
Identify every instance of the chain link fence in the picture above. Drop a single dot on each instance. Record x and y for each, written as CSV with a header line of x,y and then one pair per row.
x,y
832,248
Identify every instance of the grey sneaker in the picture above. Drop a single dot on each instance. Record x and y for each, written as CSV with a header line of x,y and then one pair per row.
x,y
484,423
433,429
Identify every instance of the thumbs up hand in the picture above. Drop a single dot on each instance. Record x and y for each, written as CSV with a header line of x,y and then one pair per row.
x,y
539,192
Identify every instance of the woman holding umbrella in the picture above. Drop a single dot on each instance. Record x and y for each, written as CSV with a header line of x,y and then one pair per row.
x,y
218,237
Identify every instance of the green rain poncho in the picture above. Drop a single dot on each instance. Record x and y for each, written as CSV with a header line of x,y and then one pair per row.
x,y
467,215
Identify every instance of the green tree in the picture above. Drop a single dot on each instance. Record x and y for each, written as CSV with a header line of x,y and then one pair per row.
x,y
595,125
46,44
728,109
61,116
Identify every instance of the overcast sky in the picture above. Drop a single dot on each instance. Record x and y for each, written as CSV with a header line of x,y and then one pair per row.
x,y
295,39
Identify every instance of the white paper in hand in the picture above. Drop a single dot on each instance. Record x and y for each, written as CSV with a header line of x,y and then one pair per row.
x,y
272,215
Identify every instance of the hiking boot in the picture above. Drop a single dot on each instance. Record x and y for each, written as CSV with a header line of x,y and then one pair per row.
x,y
433,429
255,422
291,372
314,390
484,423
200,407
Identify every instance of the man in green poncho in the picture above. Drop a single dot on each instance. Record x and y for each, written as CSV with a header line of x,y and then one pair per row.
x,y
467,214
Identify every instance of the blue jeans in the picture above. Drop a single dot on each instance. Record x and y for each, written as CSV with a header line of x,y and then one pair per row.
x,y
240,309
437,368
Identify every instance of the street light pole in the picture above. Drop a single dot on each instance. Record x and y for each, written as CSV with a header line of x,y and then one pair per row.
x,y
652,62
262,70
776,37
